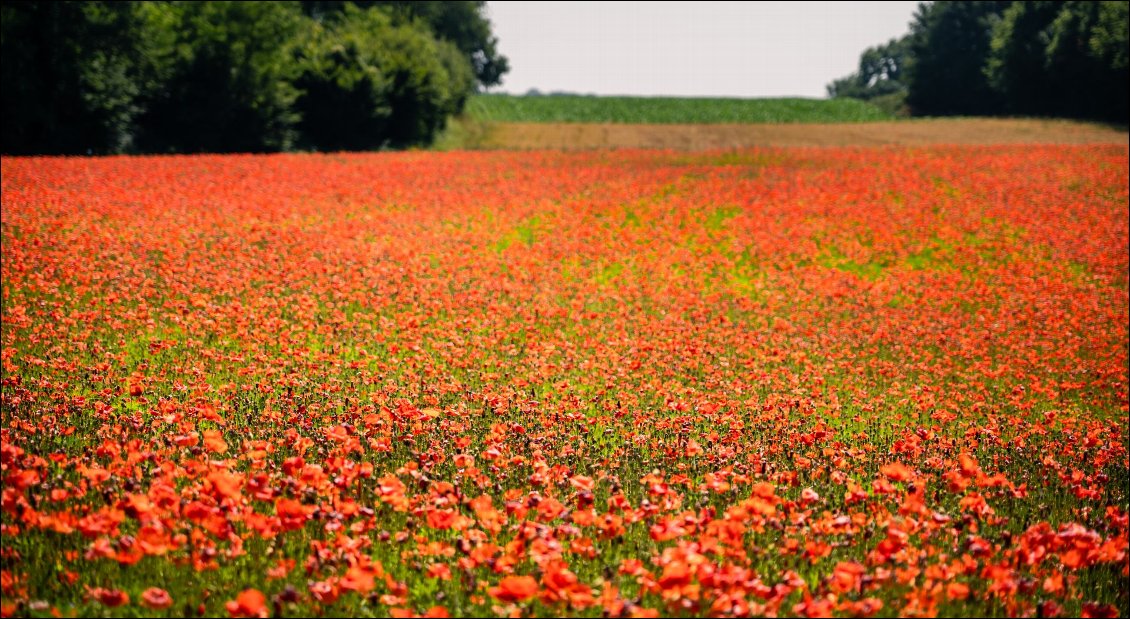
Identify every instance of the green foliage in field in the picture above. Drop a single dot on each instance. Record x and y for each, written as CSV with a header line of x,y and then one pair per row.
x,y
187,77
881,78
1064,59
400,86
667,110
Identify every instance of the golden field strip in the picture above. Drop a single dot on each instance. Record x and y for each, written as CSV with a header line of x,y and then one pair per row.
x,y
924,132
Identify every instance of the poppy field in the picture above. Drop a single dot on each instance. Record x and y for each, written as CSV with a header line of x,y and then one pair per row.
x,y
764,382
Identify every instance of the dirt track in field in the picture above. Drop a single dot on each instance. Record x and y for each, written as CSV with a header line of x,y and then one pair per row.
x,y
580,136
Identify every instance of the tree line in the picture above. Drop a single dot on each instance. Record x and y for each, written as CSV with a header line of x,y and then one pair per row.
x,y
186,77
1063,59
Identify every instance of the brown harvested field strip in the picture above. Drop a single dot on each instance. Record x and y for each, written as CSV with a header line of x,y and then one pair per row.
x,y
572,136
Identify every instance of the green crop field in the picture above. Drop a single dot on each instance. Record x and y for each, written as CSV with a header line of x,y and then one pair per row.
x,y
667,110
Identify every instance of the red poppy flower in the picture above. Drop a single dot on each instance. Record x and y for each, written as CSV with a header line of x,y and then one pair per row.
x,y
249,603
515,589
155,598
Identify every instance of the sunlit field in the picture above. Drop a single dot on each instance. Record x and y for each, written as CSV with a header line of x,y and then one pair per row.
x,y
839,381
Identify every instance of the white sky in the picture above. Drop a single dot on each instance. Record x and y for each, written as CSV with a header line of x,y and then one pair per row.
x,y
738,49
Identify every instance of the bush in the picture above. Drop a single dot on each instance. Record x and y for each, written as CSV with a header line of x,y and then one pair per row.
x,y
186,77
227,77
367,82
1062,59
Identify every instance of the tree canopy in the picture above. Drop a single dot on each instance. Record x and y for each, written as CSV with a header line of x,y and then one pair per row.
x,y
1062,59
881,77
182,76
987,57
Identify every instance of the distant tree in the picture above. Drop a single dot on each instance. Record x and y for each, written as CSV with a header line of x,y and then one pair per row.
x,y
1110,35
1062,59
1016,62
186,76
1109,45
344,93
949,44
1038,58
227,74
463,23
368,82
880,78
460,76
72,76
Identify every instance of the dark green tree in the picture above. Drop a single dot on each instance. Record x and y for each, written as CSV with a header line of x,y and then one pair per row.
x,y
949,45
1016,62
369,82
1061,59
880,78
227,73
462,23
72,76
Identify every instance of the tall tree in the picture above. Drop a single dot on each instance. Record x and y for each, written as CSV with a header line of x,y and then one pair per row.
x,y
1062,59
461,22
949,44
1016,62
72,76
367,82
464,24
881,72
228,73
